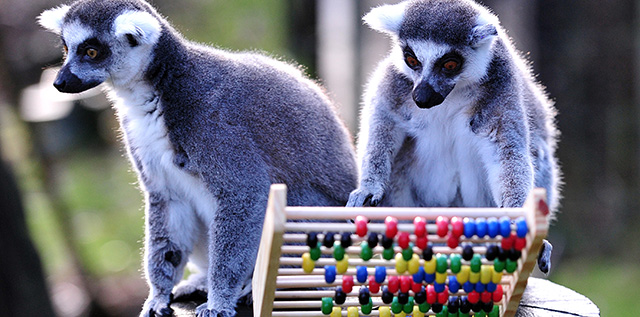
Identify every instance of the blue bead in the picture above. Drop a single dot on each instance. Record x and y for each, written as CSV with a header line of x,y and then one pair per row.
x,y
361,274
521,227
468,287
429,278
491,287
493,227
469,227
381,274
481,227
329,273
505,226
439,288
479,287
419,276
454,286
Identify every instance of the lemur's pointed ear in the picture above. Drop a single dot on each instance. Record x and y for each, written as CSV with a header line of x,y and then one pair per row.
x,y
482,34
138,27
386,18
53,19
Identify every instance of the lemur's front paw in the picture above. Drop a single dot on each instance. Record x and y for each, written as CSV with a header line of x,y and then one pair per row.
x,y
366,195
204,311
157,307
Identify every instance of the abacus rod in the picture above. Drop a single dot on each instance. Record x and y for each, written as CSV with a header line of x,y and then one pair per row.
x,y
433,238
380,213
355,250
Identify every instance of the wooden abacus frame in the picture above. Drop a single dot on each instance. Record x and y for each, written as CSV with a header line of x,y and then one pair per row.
x,y
271,280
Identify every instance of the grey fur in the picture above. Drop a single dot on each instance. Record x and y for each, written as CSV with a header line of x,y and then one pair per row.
x,y
230,123
505,115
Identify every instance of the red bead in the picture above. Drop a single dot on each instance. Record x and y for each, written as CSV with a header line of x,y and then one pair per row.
x,y
347,283
361,226
421,242
443,226
393,284
420,226
507,242
392,227
485,297
457,226
473,297
520,244
497,294
431,294
416,287
403,240
405,283
443,297
374,286
453,241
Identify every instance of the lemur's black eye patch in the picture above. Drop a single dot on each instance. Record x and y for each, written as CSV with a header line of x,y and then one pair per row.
x,y
93,50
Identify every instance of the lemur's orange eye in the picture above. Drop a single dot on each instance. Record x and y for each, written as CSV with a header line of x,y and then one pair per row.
x,y
450,65
65,48
412,61
92,53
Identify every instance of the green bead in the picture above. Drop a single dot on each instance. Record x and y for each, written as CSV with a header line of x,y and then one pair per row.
x,y
453,314
327,305
444,312
424,307
512,266
456,263
338,251
495,312
441,263
365,251
407,253
315,252
463,314
498,265
480,314
476,263
408,307
388,254
366,309
396,307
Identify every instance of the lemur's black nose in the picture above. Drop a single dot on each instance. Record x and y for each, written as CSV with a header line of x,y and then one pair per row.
x,y
425,96
70,83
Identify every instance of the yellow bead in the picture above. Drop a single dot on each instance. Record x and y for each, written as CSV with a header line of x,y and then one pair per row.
x,y
430,266
414,264
352,312
496,277
384,311
401,264
307,263
336,312
485,274
417,312
401,314
474,277
463,275
342,265
441,278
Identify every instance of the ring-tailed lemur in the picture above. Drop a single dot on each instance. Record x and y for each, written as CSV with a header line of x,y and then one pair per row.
x,y
453,116
208,131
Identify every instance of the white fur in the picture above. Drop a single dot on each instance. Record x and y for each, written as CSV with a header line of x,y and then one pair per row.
x,y
191,205
386,18
142,25
53,19
450,156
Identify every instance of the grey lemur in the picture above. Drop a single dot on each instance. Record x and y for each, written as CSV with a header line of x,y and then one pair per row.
x,y
453,116
207,131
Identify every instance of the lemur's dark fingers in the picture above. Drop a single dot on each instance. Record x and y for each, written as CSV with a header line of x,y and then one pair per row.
x,y
544,257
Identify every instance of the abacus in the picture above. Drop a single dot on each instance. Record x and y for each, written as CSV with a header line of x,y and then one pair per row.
x,y
363,261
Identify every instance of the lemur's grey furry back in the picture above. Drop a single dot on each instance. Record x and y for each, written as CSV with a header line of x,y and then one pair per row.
x,y
453,116
208,131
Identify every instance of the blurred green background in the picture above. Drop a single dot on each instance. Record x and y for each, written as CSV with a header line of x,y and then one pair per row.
x,y
84,210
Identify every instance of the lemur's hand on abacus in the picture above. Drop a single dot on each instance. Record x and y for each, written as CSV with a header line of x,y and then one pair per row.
x,y
366,195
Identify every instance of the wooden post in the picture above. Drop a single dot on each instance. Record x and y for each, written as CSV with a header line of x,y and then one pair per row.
x,y
264,276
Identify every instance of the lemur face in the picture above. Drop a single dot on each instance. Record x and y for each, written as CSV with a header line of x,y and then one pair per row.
x,y
98,48
440,44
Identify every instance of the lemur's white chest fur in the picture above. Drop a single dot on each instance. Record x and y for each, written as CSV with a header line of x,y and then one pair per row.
x,y
190,206
454,166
